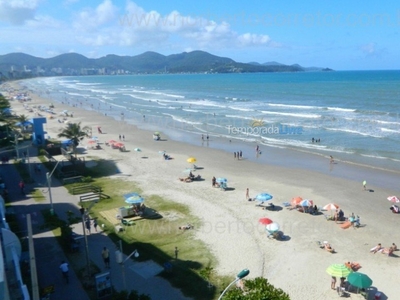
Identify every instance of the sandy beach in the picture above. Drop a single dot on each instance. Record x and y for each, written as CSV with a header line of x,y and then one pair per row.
x,y
230,223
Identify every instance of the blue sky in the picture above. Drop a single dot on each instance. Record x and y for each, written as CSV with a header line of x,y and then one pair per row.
x,y
343,35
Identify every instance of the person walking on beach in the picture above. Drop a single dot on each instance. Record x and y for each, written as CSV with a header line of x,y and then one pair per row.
x,y
64,270
87,224
240,154
234,155
176,252
365,185
106,257
331,159
22,187
119,137
95,224
247,194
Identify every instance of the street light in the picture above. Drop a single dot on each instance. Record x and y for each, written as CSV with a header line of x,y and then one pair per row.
x,y
48,177
242,274
122,261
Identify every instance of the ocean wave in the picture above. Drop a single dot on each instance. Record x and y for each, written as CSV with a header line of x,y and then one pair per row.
x,y
88,84
239,117
181,120
389,130
353,131
310,116
294,106
341,109
149,92
241,108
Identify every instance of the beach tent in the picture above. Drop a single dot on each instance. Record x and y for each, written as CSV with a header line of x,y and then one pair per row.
x,y
133,198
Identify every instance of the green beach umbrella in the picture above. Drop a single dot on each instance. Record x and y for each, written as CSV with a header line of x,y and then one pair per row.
x,y
359,280
338,270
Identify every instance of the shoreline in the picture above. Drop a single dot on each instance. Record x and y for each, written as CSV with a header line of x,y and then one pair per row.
x,y
284,156
230,223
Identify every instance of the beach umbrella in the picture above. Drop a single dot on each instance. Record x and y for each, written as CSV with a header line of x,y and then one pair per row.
x,y
92,141
273,227
138,150
359,280
263,197
393,199
265,221
161,152
156,133
296,200
221,180
338,270
112,141
191,160
331,206
66,142
306,202
118,145
133,198
26,123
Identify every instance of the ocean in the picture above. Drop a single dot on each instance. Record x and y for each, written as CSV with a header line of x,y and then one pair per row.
x,y
351,115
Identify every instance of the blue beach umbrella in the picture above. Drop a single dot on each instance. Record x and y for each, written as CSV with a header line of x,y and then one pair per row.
x,y
26,123
221,180
133,198
263,197
66,142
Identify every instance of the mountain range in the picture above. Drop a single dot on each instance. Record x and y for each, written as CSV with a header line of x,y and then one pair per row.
x,y
148,62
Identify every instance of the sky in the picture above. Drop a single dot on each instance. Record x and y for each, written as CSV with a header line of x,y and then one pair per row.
x,y
342,35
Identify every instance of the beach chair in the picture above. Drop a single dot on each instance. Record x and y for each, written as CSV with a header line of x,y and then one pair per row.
x,y
126,222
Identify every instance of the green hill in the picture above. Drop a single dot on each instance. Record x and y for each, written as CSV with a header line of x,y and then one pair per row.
x,y
148,62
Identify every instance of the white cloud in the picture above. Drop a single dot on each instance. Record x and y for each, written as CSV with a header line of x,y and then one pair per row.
x,y
17,12
153,30
91,19
372,50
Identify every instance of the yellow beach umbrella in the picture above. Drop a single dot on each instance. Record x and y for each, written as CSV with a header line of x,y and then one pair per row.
x,y
191,160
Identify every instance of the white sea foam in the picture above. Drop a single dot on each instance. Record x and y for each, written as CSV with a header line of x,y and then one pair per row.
x,y
389,130
310,116
341,109
181,120
294,106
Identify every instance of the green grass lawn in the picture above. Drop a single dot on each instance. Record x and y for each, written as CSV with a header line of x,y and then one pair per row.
x,y
156,239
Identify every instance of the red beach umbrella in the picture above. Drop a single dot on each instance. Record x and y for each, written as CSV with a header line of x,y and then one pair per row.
x,y
393,199
265,221
296,201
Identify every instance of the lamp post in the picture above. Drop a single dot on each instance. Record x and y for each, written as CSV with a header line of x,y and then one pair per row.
x,y
121,261
242,274
48,178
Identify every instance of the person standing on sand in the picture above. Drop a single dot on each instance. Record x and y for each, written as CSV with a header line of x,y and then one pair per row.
x,y
106,257
331,159
247,194
365,185
333,283
234,155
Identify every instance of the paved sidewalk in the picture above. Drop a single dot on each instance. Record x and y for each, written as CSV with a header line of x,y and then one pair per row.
x,y
139,276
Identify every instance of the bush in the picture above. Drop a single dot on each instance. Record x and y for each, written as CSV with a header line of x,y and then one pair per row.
x,y
257,289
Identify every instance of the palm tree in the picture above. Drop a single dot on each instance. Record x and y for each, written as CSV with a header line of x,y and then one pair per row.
x,y
75,133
